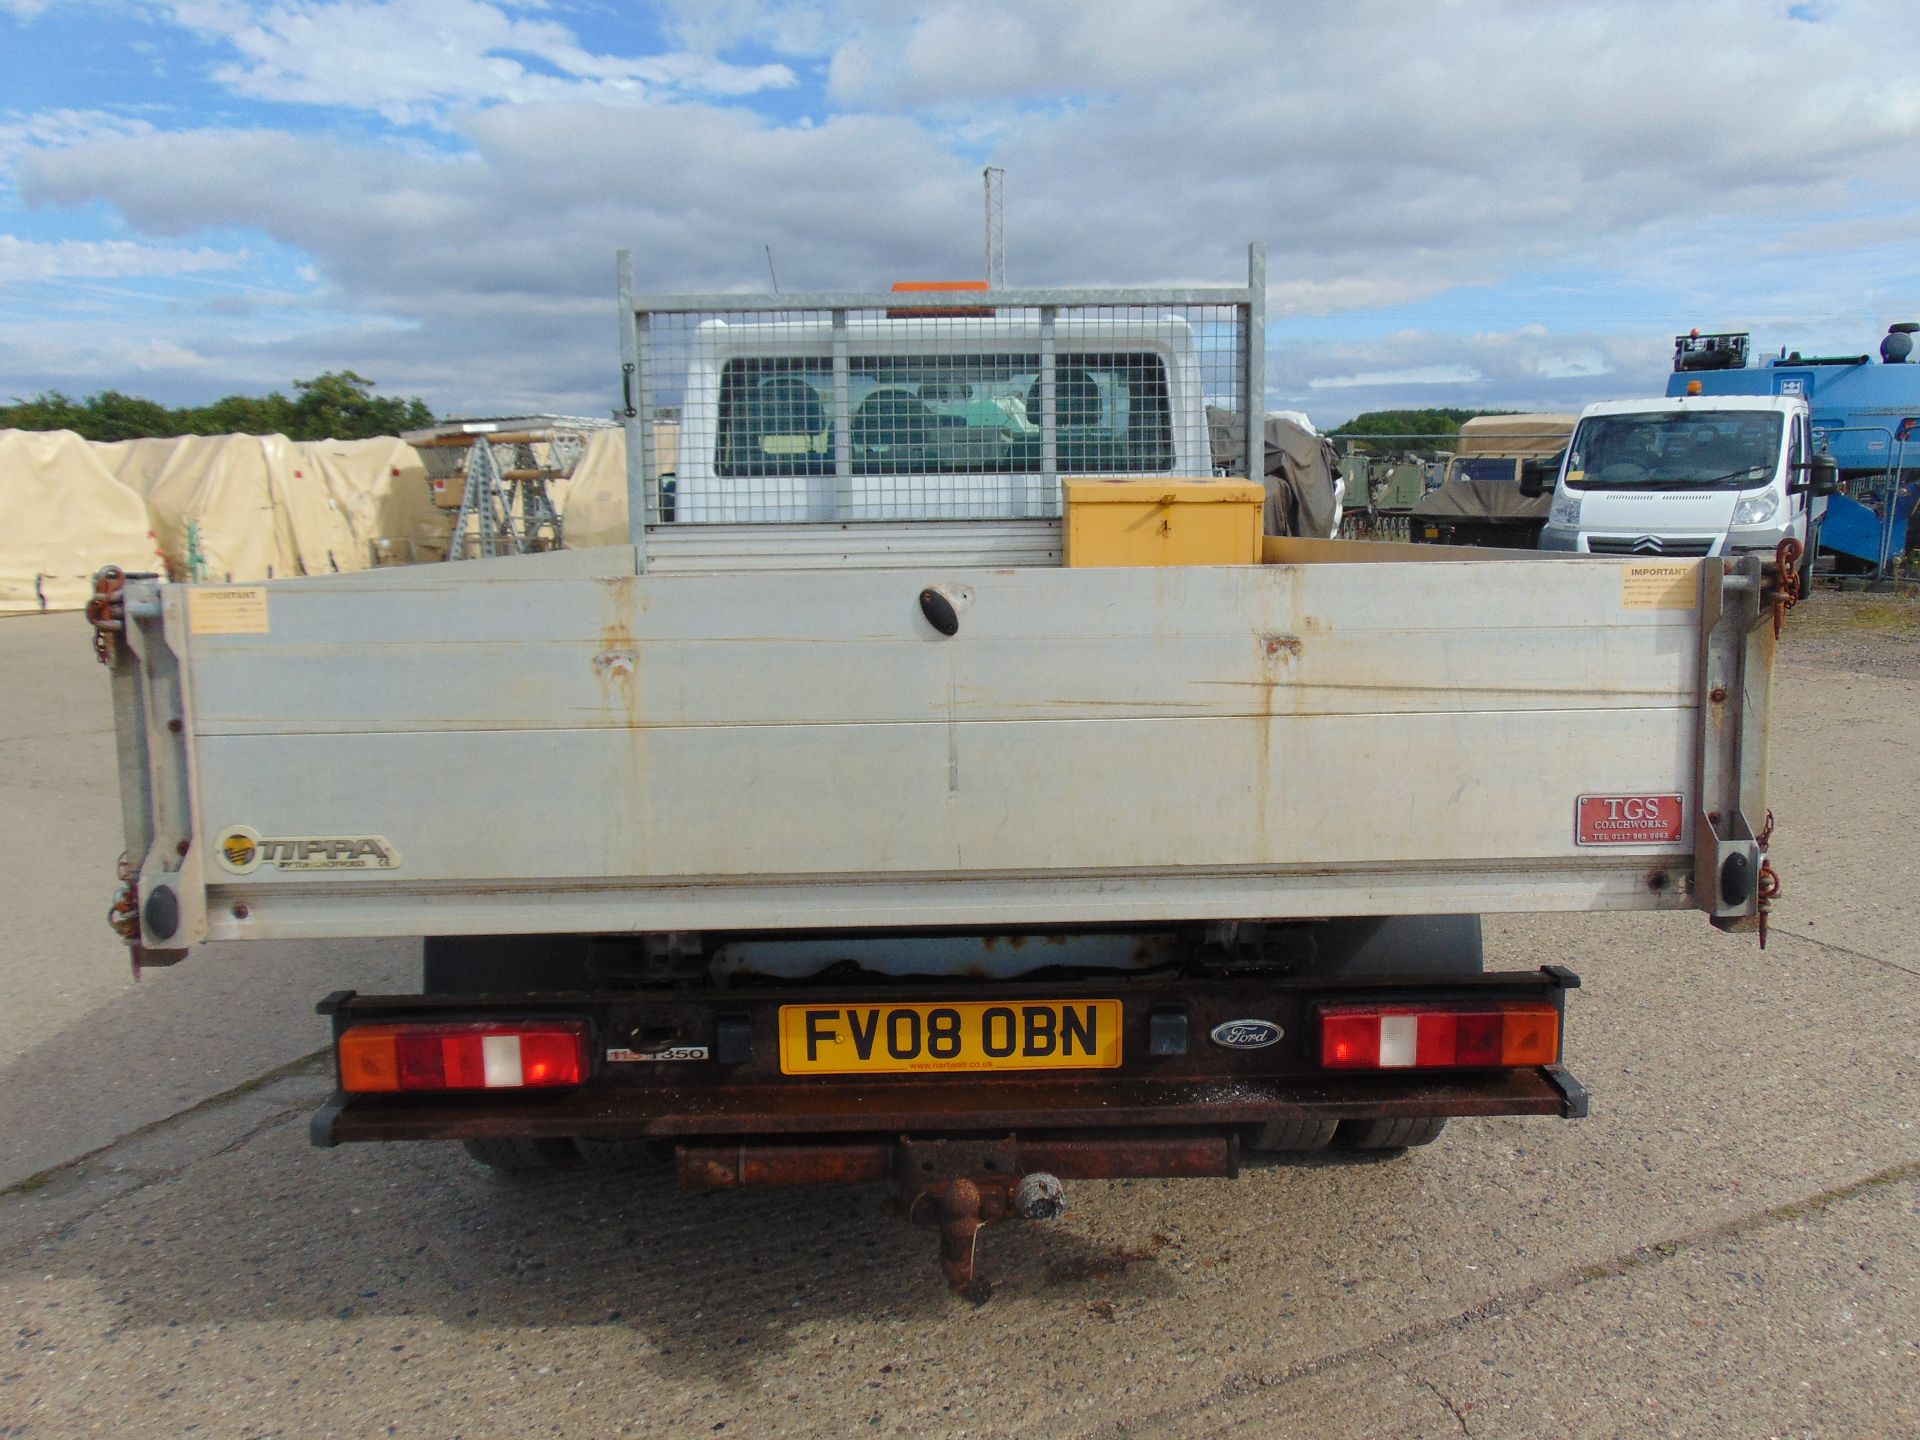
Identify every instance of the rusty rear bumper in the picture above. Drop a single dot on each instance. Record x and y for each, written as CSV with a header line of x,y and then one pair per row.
x,y
936,1107
739,1090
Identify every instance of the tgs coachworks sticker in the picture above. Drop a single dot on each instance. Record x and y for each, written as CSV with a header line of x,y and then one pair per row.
x,y
243,850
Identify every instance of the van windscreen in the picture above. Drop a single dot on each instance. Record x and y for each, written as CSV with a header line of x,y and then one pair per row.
x,y
945,415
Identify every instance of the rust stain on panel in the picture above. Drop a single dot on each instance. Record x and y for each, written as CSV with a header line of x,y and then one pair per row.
x,y
616,662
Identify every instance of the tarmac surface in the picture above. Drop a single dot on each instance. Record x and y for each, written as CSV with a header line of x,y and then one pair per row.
x,y
1726,1247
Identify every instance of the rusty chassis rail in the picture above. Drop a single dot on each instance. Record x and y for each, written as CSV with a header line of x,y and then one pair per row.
x,y
960,1150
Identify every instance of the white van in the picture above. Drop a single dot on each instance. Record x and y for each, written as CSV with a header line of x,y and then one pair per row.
x,y
1697,475
944,420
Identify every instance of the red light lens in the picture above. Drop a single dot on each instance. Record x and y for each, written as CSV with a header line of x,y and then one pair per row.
x,y
1477,1040
422,1062
1350,1041
548,1058
541,1054
1507,1033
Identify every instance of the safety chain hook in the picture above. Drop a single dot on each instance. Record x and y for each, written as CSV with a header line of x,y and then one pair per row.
x,y
124,914
107,612
1767,888
1768,891
1786,580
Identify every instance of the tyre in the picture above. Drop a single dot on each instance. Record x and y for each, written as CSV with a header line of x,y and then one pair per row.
x,y
1294,1135
624,1154
1390,1134
1436,947
520,1156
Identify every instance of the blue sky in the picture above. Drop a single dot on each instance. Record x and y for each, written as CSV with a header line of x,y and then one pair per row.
x,y
1490,204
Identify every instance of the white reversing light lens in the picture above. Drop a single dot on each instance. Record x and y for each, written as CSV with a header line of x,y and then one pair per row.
x,y
1399,1039
501,1056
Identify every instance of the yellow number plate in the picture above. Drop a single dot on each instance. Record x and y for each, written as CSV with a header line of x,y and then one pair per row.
x,y
962,1035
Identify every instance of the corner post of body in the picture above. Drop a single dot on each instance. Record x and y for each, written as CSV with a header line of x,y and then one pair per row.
x,y
1256,371
634,414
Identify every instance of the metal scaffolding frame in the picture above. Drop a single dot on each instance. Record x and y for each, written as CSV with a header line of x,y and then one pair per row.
x,y
507,469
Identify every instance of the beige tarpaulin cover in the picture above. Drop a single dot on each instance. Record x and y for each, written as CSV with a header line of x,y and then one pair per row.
x,y
593,500
1515,437
62,516
1526,437
1482,500
136,463
1302,466
253,505
381,487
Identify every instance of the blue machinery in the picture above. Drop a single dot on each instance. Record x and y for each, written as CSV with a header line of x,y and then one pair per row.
x,y
1866,416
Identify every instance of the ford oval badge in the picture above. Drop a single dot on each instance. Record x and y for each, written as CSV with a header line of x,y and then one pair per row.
x,y
1246,1034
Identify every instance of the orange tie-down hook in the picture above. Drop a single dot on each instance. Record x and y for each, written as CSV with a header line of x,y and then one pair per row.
x,y
1786,580
1767,890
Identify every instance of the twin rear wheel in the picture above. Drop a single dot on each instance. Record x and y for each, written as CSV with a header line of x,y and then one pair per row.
x,y
519,1156
1297,1135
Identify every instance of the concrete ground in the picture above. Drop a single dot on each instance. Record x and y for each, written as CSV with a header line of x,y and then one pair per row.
x,y
1727,1247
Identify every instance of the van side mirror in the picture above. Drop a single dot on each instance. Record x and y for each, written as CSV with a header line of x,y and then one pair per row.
x,y
1538,477
1818,476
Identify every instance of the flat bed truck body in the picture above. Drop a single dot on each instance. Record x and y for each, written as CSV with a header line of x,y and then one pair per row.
x,y
903,853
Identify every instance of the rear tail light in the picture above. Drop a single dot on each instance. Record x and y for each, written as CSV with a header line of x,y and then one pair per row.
x,y
375,1058
1508,1033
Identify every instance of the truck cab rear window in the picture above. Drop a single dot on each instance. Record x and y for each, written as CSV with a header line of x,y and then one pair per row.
x,y
944,415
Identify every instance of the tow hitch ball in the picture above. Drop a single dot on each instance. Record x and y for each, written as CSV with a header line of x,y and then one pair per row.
x,y
962,1206
960,1187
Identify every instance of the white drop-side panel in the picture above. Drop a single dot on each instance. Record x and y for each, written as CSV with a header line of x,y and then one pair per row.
x,y
801,748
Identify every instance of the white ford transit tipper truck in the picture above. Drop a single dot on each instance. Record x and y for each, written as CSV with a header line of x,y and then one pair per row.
x,y
809,838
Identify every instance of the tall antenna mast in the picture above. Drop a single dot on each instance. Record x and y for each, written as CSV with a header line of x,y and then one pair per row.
x,y
996,179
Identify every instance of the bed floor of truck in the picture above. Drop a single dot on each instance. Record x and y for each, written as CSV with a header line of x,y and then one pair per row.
x,y
919,1107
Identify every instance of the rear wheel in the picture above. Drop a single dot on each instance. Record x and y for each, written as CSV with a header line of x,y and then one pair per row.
x,y
520,1156
1391,1134
1281,1135
1437,947
624,1154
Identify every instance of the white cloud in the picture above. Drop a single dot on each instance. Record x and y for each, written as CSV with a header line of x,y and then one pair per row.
x,y
1517,369
1626,160
410,60
1410,375
57,129
22,260
799,28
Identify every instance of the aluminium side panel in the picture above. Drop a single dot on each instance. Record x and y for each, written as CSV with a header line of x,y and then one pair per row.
x,y
534,751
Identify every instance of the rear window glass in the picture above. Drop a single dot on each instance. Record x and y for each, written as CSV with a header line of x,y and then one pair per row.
x,y
944,415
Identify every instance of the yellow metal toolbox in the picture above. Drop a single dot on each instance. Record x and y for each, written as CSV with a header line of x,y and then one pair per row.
x,y
1130,520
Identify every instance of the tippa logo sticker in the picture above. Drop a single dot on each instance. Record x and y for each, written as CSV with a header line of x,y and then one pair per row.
x,y
243,850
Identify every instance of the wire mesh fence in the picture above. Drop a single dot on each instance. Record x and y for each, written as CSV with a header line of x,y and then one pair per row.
x,y
929,406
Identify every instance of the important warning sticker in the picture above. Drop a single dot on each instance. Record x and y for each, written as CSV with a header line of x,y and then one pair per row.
x,y
1660,585
227,609
1629,819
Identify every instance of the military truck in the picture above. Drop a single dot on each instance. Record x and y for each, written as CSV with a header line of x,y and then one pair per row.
x,y
1496,488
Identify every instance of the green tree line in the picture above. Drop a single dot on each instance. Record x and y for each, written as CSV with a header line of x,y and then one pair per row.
x,y
1407,422
339,405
